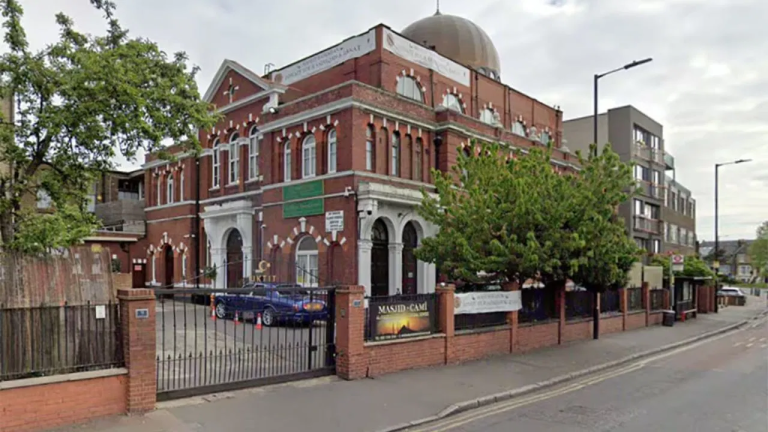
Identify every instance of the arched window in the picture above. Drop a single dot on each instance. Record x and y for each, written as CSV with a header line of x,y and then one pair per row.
x,y
216,165
486,116
306,262
159,197
518,128
467,154
406,148
309,157
395,154
184,268
287,161
253,154
545,137
181,186
408,87
332,151
234,159
417,160
452,102
169,189
370,149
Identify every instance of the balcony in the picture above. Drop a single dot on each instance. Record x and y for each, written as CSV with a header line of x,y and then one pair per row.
x,y
650,189
669,161
650,154
648,225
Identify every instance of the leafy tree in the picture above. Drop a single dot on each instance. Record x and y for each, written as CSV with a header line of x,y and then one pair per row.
x,y
758,250
79,102
692,267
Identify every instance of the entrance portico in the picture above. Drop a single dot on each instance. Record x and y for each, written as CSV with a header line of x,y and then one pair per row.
x,y
388,224
219,222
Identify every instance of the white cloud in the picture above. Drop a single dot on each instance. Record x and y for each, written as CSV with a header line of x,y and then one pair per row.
x,y
708,83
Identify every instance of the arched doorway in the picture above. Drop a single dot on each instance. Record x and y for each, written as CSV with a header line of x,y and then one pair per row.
x,y
410,268
168,266
306,262
379,259
234,263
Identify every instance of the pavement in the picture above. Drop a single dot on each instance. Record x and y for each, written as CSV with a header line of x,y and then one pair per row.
x,y
391,402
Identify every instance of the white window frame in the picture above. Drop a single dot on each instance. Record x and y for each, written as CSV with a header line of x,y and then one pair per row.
x,y
304,264
486,116
452,102
409,87
234,159
544,137
159,190
216,165
395,143
332,150
370,149
518,128
184,267
169,189
253,154
181,186
287,161
308,157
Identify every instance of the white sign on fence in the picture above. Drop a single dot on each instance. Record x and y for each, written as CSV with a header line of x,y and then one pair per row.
x,y
101,312
678,262
334,221
485,302
420,55
334,56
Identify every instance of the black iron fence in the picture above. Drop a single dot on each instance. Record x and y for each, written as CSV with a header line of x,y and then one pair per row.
x,y
657,299
479,320
610,301
579,304
538,304
635,299
54,340
244,337
400,316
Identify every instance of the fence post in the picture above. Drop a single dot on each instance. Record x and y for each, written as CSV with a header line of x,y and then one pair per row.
x,y
512,317
647,302
623,306
445,318
137,322
350,329
560,306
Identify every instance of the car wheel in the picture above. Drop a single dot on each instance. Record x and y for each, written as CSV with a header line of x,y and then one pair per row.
x,y
221,310
268,318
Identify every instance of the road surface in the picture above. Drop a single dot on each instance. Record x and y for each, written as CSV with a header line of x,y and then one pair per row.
x,y
714,386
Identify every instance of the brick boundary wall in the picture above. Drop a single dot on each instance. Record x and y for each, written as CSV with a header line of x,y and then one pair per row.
x,y
359,359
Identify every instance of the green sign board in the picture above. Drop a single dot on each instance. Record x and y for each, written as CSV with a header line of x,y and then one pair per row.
x,y
304,208
304,190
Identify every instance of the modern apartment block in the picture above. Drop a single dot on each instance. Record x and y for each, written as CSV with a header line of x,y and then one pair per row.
x,y
639,139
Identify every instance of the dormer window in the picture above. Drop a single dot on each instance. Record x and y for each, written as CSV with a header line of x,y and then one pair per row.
x,y
452,102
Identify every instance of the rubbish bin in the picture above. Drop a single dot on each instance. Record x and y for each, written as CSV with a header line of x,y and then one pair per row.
x,y
669,318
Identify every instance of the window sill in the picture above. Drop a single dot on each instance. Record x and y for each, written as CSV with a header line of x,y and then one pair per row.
x,y
215,188
255,179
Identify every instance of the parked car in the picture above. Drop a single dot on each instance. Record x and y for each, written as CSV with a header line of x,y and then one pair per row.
x,y
730,292
277,303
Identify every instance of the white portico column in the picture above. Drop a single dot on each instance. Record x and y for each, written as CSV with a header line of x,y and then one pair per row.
x,y
364,248
217,256
395,268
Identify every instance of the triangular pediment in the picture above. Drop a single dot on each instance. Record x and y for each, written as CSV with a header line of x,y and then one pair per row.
x,y
232,71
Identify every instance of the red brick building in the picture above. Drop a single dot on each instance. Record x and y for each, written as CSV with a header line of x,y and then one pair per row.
x,y
318,166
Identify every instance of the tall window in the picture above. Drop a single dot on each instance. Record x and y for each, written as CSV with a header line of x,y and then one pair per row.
x,y
253,154
545,137
306,262
408,87
406,148
184,268
452,102
169,189
216,165
287,161
332,151
159,197
518,128
309,157
395,154
369,148
181,186
486,116
417,160
234,159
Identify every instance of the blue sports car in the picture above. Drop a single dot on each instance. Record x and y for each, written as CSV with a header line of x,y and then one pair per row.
x,y
276,303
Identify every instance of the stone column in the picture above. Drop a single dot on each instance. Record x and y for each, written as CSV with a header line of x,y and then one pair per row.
x,y
364,248
217,256
350,327
395,268
137,312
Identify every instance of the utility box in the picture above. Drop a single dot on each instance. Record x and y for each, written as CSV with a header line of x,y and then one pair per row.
x,y
669,318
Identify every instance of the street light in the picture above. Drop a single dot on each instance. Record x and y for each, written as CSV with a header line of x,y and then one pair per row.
x,y
596,313
598,76
717,234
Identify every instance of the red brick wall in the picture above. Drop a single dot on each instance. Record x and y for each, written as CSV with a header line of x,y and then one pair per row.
x,y
531,337
401,355
58,404
655,318
573,331
635,320
611,325
473,346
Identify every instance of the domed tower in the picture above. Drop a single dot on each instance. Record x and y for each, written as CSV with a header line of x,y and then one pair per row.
x,y
458,39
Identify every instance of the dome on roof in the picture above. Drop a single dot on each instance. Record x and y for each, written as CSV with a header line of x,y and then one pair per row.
x,y
458,39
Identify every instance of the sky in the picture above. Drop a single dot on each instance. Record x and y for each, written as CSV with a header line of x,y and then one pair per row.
x,y
707,84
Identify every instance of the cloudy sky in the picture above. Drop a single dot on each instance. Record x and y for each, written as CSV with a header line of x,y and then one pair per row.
x,y
708,83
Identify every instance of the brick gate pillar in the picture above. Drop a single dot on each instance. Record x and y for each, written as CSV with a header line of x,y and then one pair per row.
x,y
446,318
623,306
137,322
350,329
512,317
647,302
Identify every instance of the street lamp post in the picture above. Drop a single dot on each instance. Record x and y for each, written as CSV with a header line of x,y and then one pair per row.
x,y
717,220
596,312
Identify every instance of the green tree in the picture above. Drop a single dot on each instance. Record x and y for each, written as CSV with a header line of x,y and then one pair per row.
x,y
692,267
79,102
758,250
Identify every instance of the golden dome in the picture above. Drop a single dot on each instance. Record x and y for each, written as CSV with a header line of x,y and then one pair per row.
x,y
458,39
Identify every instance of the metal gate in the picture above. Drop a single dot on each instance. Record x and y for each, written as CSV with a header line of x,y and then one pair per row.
x,y
211,340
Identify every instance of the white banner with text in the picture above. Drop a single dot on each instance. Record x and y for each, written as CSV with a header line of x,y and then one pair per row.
x,y
420,55
486,302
